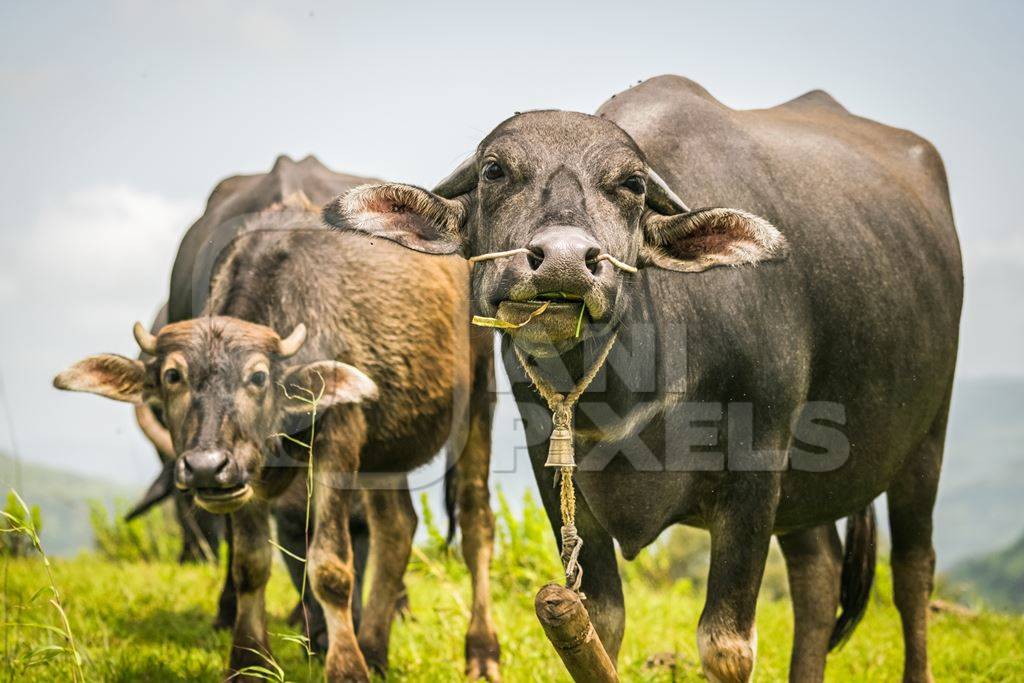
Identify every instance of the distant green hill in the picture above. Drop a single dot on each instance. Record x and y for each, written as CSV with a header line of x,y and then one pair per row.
x,y
62,498
997,578
980,507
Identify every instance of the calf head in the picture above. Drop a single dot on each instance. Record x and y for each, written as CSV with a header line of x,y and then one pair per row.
x,y
225,387
564,189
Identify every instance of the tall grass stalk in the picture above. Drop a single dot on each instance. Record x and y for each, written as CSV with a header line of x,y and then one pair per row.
x,y
312,399
27,524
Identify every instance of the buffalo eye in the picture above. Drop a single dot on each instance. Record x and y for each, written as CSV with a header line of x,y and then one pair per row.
x,y
258,379
172,376
493,171
635,184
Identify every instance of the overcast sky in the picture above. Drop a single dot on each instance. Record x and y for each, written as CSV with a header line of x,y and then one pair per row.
x,y
119,118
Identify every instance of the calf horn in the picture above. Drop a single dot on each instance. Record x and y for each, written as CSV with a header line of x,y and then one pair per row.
x,y
290,345
145,339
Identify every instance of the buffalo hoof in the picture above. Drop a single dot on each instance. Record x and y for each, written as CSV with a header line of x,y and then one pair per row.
x,y
483,668
482,655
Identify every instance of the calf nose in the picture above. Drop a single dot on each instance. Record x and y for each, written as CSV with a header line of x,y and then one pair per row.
x,y
206,469
562,252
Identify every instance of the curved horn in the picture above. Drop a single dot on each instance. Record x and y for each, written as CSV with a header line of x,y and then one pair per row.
x,y
290,345
145,339
661,197
460,181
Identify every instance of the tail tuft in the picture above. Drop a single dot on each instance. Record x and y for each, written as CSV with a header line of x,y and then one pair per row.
x,y
861,548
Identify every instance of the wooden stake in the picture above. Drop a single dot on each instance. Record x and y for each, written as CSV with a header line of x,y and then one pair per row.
x,y
567,625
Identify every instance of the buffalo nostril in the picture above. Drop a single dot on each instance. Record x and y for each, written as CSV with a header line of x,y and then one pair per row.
x,y
535,257
591,259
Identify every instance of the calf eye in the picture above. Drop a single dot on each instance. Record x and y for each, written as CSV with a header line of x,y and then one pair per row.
x,y
172,376
635,184
258,378
493,171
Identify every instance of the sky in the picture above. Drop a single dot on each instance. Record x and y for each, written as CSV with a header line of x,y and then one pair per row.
x,y
118,118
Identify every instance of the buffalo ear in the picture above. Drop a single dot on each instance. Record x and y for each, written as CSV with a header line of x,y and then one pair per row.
x,y
694,241
326,382
107,375
408,215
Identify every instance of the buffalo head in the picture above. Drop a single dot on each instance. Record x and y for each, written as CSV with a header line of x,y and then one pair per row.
x,y
563,191
225,387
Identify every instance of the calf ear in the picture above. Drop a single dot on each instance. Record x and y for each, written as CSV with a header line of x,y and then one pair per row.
x,y
108,375
327,382
408,215
697,240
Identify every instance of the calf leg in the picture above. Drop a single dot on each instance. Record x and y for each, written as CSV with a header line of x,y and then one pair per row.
x,y
360,532
331,569
227,604
814,563
476,521
392,522
911,499
292,535
250,571
741,530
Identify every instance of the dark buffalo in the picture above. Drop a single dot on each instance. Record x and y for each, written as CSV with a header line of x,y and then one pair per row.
x,y
294,307
777,367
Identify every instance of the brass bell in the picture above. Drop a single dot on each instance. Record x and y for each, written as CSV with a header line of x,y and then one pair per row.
x,y
560,448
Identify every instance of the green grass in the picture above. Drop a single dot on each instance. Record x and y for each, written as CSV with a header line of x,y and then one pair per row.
x,y
136,621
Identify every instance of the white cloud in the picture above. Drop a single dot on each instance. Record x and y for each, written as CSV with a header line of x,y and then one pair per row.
x,y
111,236
91,263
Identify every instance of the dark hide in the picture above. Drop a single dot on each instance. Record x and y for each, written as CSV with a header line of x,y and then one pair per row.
x,y
230,204
780,362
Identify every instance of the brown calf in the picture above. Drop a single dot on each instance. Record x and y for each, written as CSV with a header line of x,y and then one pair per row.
x,y
230,388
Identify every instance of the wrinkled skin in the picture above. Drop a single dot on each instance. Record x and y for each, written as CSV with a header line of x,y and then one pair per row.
x,y
229,386
842,295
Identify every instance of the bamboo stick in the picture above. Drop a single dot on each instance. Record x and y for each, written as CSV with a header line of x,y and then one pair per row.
x,y
567,625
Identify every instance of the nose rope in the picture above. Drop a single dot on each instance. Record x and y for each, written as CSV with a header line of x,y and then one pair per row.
x,y
473,260
562,407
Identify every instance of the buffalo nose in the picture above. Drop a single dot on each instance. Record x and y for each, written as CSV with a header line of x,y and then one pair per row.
x,y
563,251
206,469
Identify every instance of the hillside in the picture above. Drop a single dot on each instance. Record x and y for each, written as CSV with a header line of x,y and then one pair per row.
x,y
996,579
979,506
63,500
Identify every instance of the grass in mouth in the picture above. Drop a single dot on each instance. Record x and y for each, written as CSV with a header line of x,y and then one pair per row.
x,y
544,300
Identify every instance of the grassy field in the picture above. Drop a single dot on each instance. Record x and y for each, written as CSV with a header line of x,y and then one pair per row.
x,y
136,621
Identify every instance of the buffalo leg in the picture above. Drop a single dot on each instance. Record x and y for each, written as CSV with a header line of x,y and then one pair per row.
x,y
251,571
290,517
911,499
331,570
476,521
814,563
360,532
392,522
741,530
227,604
